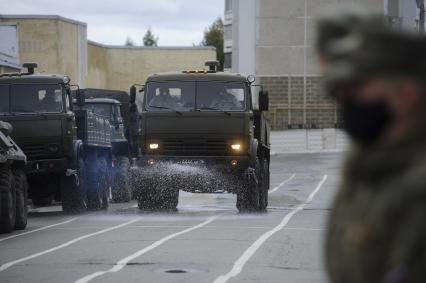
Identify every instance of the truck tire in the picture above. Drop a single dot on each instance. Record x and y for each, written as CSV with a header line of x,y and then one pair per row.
x,y
97,193
248,198
146,202
74,194
121,191
168,199
104,183
7,198
264,185
21,192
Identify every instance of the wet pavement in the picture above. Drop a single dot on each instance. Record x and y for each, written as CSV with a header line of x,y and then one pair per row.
x,y
206,240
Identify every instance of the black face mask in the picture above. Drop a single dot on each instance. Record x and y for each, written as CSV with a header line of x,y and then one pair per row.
x,y
366,122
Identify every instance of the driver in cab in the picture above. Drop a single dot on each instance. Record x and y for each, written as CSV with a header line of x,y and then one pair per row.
x,y
51,101
225,101
163,99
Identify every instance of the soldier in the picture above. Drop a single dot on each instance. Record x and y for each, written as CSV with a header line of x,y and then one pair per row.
x,y
377,230
164,99
225,101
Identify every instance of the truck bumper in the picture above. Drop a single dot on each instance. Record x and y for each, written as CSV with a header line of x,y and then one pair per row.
x,y
220,163
204,174
46,166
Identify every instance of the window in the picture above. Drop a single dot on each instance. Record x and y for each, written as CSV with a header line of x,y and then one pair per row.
x,y
228,5
228,61
170,95
208,96
100,109
31,98
222,96
36,98
4,99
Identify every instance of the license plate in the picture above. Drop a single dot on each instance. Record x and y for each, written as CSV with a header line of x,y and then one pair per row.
x,y
191,162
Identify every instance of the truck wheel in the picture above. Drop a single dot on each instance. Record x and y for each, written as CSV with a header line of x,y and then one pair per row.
x,y
97,193
168,199
21,192
146,200
7,198
248,198
104,183
264,185
74,194
121,191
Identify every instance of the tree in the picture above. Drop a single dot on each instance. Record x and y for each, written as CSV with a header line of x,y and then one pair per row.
x,y
213,36
149,39
129,42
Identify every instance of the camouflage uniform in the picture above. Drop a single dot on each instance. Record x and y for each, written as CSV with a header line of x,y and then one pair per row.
x,y
377,228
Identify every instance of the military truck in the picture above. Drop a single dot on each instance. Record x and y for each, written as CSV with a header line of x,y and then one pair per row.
x,y
212,122
13,183
119,178
68,148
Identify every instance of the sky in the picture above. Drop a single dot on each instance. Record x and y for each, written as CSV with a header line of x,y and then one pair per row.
x,y
175,22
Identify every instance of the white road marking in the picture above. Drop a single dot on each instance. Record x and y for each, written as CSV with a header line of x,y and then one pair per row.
x,y
245,257
123,262
282,184
7,265
38,229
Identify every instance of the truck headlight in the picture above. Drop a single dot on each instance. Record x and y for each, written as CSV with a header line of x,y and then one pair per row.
x,y
53,148
236,147
153,146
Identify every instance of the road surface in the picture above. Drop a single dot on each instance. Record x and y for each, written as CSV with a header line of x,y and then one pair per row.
x,y
206,240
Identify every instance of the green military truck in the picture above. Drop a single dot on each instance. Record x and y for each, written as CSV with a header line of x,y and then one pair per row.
x,y
202,131
111,109
68,148
13,183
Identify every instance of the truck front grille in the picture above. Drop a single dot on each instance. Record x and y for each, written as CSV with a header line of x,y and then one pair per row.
x,y
194,147
35,151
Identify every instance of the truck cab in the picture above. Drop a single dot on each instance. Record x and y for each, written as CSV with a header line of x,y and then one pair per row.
x,y
208,120
62,142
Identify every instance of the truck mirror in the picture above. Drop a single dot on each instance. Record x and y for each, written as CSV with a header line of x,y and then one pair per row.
x,y
80,99
132,94
263,101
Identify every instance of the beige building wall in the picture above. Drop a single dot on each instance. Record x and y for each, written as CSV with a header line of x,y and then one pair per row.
x,y
60,46
117,67
56,44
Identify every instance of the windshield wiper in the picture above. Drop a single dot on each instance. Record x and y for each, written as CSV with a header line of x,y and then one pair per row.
x,y
213,109
164,107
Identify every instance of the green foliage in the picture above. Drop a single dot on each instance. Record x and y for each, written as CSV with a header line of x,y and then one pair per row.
x,y
150,39
213,36
129,42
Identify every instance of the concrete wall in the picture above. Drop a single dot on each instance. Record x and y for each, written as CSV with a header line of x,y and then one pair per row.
x,y
58,45
119,67
286,34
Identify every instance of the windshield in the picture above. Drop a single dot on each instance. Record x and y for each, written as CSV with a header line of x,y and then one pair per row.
x,y
196,96
100,109
31,98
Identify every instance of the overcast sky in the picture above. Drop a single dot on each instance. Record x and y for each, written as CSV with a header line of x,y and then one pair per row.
x,y
175,22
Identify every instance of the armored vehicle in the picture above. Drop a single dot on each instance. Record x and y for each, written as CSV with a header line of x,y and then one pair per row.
x,y
119,178
13,183
68,148
202,131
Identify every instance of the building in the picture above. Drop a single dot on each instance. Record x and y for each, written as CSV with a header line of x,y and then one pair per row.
x,y
60,45
273,39
9,49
